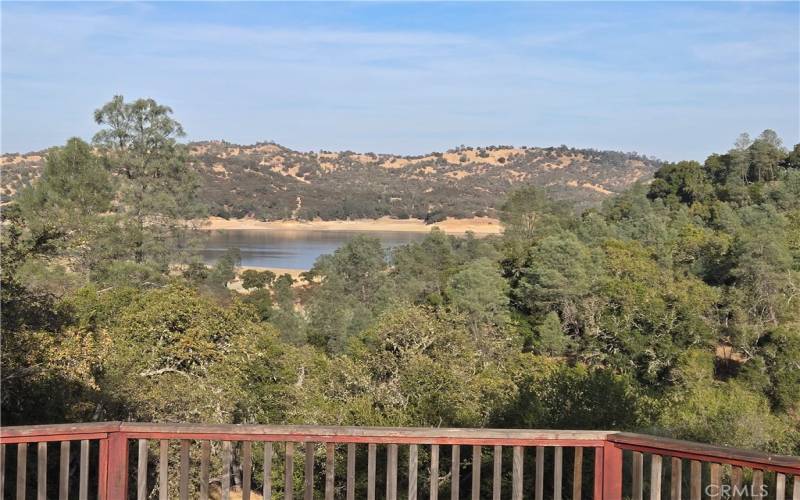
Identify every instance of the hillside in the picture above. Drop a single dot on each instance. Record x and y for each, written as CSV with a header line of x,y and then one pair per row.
x,y
269,181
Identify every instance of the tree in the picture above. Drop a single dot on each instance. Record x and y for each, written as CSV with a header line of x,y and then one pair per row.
x,y
252,278
419,367
771,138
73,184
180,357
158,188
766,154
727,413
196,272
793,158
528,215
352,290
743,141
552,339
360,264
528,210
551,394
751,161
650,316
556,271
261,300
225,268
25,315
282,288
72,198
781,352
421,270
481,293
285,317
683,182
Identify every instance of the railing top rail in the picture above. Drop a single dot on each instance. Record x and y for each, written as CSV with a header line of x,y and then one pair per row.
x,y
368,432
691,449
58,429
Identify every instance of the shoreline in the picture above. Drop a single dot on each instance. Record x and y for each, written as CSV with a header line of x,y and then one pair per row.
x,y
482,226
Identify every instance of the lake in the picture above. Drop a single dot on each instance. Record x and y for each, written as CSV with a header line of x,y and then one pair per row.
x,y
290,249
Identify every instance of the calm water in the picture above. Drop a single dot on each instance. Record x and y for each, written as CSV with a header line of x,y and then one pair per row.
x,y
289,249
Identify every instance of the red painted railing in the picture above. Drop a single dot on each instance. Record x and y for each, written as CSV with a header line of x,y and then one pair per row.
x,y
543,463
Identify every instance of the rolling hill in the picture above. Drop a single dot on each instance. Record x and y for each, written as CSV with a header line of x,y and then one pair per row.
x,y
269,181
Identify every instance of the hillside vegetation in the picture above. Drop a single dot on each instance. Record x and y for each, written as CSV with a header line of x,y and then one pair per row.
x,y
673,308
268,181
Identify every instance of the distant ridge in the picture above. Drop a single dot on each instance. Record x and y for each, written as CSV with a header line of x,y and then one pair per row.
x,y
270,182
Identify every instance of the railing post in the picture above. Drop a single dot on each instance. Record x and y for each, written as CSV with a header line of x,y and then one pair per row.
x,y
611,472
597,491
102,467
116,467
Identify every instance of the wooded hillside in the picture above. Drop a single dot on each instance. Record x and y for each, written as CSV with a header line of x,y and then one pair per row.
x,y
268,181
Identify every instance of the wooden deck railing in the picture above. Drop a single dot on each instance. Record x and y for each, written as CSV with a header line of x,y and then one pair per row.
x,y
128,460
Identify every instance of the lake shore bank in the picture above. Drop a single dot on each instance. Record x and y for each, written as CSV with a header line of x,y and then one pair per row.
x,y
479,225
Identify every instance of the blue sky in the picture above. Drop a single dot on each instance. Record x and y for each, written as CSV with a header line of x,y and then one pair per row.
x,y
673,80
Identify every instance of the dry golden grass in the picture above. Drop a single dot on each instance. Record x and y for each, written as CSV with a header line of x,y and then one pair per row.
x,y
477,225
215,493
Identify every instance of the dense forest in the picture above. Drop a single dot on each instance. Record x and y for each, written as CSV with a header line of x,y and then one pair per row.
x,y
673,308
269,182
